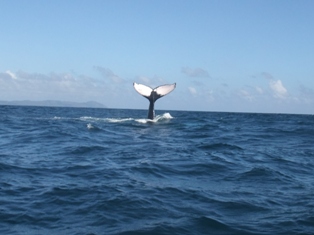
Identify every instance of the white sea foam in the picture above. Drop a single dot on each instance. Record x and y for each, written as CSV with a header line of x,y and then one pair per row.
x,y
86,118
94,119
90,126
158,118
142,120
90,119
118,119
56,118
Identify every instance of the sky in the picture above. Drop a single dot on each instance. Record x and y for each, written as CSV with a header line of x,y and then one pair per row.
x,y
224,55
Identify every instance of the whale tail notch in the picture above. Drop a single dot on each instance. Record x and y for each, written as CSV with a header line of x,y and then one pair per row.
x,y
153,94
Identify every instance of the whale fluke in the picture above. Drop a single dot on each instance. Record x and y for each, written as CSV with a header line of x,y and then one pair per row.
x,y
153,94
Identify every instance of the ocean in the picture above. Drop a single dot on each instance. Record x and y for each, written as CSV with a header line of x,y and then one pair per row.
x,y
111,171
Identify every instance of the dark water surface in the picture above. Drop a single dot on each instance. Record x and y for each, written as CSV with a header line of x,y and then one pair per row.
x,y
109,171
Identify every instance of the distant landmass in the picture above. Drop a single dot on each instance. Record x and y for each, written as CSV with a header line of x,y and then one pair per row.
x,y
55,103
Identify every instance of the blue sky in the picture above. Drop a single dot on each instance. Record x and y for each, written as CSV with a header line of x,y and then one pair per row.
x,y
224,55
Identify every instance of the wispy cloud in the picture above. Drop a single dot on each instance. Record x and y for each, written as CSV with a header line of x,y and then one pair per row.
x,y
151,81
192,90
106,87
37,86
198,83
245,95
5,76
107,73
267,75
196,72
144,80
11,74
259,90
306,95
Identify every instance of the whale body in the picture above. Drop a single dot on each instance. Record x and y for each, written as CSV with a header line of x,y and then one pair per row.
x,y
153,94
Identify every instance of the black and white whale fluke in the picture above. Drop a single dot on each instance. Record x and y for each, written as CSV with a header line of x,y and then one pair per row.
x,y
153,94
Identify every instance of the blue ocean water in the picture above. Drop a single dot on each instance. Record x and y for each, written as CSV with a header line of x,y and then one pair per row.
x,y
111,171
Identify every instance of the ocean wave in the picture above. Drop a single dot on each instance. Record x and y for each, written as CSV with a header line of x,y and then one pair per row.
x,y
110,171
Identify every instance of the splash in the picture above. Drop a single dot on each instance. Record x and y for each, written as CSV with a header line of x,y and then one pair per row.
x,y
165,116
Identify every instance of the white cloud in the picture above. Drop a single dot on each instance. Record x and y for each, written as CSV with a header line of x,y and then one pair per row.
x,y
279,91
196,72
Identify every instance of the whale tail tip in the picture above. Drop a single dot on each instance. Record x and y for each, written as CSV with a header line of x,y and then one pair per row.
x,y
156,93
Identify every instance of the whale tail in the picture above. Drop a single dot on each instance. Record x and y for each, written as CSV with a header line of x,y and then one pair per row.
x,y
153,94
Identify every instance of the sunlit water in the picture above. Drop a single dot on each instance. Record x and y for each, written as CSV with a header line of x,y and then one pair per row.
x,y
111,171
